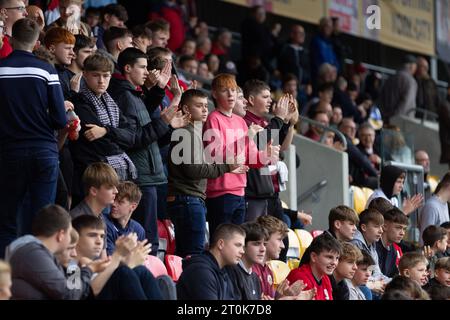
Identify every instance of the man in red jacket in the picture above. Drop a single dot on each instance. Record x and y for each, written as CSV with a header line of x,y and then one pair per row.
x,y
11,10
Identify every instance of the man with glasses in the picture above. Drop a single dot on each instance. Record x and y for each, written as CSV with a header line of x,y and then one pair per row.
x,y
362,172
11,10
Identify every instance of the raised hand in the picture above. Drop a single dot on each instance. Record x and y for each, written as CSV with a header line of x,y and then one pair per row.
x,y
281,108
168,113
165,75
176,90
180,120
152,78
273,152
75,82
413,203
253,130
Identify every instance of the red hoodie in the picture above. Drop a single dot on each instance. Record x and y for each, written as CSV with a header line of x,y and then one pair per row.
x,y
304,272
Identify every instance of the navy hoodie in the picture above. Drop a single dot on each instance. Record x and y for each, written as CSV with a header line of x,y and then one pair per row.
x,y
202,279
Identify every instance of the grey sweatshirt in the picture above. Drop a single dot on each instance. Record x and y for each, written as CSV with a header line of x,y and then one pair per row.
x,y
36,273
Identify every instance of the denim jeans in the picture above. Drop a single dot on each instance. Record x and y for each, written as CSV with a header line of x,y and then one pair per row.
x,y
188,214
32,172
228,208
146,215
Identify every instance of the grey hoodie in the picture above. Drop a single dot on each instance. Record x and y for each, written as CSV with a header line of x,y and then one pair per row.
x,y
360,242
36,274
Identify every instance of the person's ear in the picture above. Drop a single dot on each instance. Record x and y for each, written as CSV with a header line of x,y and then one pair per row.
x,y
52,48
337,225
406,273
363,228
213,94
220,244
127,68
313,257
185,109
250,100
133,206
93,191
60,235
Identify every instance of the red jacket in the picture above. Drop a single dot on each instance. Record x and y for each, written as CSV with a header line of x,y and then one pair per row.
x,y
265,276
304,272
174,16
6,48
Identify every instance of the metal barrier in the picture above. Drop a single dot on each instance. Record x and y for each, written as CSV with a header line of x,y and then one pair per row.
x,y
339,134
433,116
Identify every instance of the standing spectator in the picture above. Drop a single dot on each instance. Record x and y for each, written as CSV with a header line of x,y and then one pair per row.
x,y
444,129
11,10
142,37
294,57
427,92
113,15
342,50
27,122
322,50
35,13
187,180
160,32
116,40
70,18
422,158
366,134
172,12
435,212
257,39
398,94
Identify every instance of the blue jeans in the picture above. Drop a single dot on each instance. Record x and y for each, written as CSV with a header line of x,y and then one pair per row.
x,y
146,215
228,208
188,215
32,172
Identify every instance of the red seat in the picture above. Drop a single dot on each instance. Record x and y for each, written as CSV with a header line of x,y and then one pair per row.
x,y
155,266
316,233
166,231
174,266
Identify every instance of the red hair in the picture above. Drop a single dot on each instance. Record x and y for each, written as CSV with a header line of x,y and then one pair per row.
x,y
58,35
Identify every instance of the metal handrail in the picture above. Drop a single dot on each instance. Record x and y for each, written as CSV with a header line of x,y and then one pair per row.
x,y
339,134
308,193
433,115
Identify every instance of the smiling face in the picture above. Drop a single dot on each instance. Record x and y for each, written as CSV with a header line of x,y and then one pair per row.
x,y
324,263
274,245
418,273
443,276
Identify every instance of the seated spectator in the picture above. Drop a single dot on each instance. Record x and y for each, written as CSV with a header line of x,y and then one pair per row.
x,y
160,32
342,222
318,263
314,132
439,292
203,276
380,204
413,265
70,18
366,135
346,98
337,116
388,249
427,91
34,254
446,226
142,37
100,183
113,15
78,279
188,173
213,63
222,44
361,277
435,244
441,275
35,13
189,47
395,146
189,65
361,169
105,133
345,270
404,288
92,18
5,280
391,185
203,49
124,277
422,158
245,282
324,96
118,221
435,211
370,231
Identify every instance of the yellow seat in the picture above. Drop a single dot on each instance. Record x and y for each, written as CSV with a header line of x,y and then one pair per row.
x,y
293,263
367,192
305,238
279,269
359,199
294,245
433,181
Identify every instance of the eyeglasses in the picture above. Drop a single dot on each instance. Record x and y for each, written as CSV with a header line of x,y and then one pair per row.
x,y
21,8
